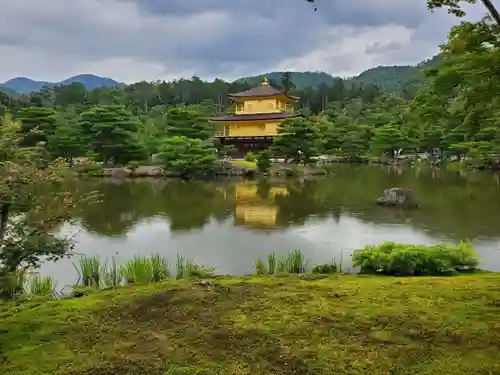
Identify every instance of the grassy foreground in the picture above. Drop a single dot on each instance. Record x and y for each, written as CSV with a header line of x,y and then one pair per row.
x,y
262,325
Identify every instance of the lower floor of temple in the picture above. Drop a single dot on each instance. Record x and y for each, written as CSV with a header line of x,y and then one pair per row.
x,y
243,145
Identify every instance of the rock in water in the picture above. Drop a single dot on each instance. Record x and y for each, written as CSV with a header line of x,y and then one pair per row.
x,y
398,197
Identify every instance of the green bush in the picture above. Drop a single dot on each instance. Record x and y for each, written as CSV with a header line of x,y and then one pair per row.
x,y
250,156
390,258
264,161
326,268
134,164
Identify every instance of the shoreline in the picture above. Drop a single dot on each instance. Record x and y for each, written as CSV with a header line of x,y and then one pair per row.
x,y
247,170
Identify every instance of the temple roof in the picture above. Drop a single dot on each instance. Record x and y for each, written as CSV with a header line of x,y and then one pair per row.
x,y
263,90
257,116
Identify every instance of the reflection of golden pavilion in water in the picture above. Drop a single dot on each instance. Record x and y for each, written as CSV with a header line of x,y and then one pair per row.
x,y
255,210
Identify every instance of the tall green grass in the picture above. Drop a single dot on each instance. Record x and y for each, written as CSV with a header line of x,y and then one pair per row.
x,y
12,285
186,268
37,285
144,270
94,273
110,274
293,262
89,271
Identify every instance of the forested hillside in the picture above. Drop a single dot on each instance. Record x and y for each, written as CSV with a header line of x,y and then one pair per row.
x,y
396,78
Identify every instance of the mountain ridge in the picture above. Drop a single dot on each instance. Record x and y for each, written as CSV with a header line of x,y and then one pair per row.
x,y
25,85
389,78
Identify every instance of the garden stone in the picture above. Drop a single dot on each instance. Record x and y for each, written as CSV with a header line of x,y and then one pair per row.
x,y
398,197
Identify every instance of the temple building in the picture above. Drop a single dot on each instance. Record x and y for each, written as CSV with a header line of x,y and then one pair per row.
x,y
259,112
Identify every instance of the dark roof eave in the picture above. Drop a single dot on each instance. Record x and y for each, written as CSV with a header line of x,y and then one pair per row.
x,y
255,118
242,95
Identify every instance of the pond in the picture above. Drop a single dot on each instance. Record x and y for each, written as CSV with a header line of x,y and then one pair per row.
x,y
229,224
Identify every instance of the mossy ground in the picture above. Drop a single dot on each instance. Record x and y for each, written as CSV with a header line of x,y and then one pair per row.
x,y
244,164
284,325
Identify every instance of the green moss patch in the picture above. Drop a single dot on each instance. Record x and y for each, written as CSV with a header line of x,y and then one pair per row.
x,y
290,325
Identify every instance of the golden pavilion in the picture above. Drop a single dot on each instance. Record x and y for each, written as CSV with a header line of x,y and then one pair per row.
x,y
259,112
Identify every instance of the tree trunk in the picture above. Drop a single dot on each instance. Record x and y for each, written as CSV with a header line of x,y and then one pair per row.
x,y
4,218
492,9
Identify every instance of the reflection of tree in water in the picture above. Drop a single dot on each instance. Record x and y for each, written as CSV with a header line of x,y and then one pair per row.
x,y
187,205
301,203
122,206
452,204
192,204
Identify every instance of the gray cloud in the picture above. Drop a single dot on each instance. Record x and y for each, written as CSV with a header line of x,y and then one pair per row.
x,y
156,39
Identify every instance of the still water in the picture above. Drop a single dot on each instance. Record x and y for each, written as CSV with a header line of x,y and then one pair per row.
x,y
228,224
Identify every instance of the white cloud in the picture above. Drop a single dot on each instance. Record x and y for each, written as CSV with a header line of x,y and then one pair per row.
x,y
131,40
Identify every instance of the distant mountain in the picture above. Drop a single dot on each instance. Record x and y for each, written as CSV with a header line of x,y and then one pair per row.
x,y
23,85
388,78
301,80
395,78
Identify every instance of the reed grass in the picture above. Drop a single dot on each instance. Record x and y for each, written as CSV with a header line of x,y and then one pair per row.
x,y
110,274
144,270
186,268
89,271
137,271
271,263
297,262
181,267
260,268
37,285
160,268
293,262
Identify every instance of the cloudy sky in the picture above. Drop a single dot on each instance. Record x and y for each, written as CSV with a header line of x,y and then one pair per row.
x,y
133,40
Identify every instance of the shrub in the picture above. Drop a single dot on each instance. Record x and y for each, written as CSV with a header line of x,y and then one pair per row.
x,y
390,258
264,161
250,156
326,268
134,164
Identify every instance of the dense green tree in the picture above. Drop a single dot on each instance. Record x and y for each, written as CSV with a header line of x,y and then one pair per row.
x,y
287,82
111,132
67,140
298,140
181,122
73,94
41,119
188,156
388,139
264,161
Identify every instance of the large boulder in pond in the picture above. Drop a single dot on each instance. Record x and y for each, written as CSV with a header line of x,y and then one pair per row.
x,y
398,197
